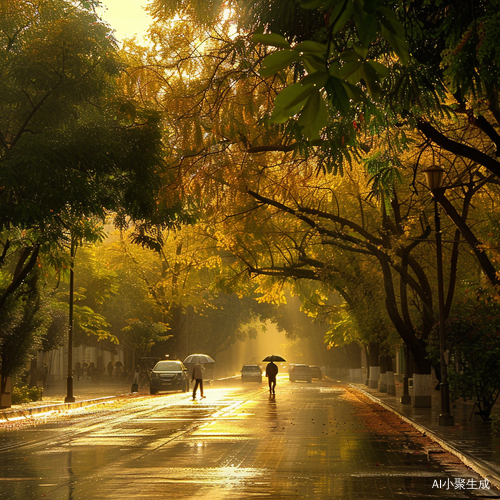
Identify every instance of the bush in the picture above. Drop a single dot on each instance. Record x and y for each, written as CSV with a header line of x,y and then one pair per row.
x,y
26,394
473,339
495,425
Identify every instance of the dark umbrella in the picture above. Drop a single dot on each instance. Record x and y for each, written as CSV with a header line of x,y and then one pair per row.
x,y
273,357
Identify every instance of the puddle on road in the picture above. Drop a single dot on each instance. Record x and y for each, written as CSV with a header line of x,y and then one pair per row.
x,y
111,440
330,390
228,476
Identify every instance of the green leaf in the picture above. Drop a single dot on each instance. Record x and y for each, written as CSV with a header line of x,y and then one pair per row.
x,y
272,39
293,95
338,95
290,101
361,51
350,56
350,72
382,71
318,79
282,115
340,15
400,46
354,93
310,46
277,61
367,27
313,63
372,81
389,19
394,32
314,116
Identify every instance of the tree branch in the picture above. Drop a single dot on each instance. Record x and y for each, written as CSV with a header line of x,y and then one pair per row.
x,y
474,243
271,148
459,149
22,271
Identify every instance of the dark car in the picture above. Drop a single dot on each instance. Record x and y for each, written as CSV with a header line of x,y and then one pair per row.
x,y
251,373
169,375
316,372
300,372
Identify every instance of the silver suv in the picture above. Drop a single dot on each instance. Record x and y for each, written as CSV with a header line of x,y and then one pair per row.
x,y
251,373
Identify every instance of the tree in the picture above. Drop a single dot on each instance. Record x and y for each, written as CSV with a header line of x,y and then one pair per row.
x,y
453,70
72,143
228,128
24,324
370,107
71,140
183,280
141,335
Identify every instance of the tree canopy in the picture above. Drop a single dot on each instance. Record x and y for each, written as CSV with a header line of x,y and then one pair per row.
x,y
261,136
71,140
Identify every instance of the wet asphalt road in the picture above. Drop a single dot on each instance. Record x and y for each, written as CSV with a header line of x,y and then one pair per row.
x,y
310,441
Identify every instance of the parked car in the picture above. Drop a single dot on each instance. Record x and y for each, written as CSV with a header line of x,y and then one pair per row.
x,y
251,373
300,372
169,375
316,372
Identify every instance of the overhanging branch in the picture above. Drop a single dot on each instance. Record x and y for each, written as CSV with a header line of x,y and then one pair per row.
x,y
459,149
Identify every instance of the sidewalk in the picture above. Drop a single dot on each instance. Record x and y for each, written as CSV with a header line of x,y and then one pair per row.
x,y
470,439
85,393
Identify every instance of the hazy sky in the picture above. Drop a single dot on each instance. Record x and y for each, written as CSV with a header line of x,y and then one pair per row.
x,y
127,17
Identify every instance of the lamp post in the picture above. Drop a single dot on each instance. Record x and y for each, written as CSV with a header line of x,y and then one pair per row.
x,y
434,176
69,380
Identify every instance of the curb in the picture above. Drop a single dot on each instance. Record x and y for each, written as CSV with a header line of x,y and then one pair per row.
x,y
478,465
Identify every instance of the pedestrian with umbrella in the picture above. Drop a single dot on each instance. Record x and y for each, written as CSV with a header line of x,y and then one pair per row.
x,y
197,374
272,371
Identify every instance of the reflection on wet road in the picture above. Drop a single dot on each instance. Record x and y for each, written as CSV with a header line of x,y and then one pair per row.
x,y
309,441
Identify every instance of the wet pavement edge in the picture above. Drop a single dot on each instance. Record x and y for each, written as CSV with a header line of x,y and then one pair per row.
x,y
8,414
476,464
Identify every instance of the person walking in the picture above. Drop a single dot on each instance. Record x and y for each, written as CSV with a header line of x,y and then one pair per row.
x,y
78,370
109,369
271,372
135,380
198,376
118,369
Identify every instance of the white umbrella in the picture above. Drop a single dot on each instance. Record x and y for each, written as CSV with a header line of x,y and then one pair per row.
x,y
198,358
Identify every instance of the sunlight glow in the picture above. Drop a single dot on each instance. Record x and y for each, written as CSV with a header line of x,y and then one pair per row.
x,y
127,17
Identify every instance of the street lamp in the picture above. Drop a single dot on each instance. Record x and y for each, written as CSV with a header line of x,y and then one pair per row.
x,y
69,380
434,176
